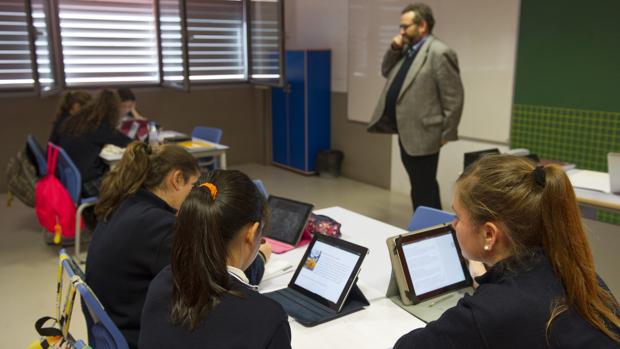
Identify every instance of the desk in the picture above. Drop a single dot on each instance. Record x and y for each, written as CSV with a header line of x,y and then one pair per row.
x,y
380,324
592,188
217,150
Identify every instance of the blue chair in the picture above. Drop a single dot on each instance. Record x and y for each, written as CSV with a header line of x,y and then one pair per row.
x,y
70,177
261,187
209,134
38,153
425,217
102,332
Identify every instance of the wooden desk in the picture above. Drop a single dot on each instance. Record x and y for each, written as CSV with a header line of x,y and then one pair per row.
x,y
216,150
378,325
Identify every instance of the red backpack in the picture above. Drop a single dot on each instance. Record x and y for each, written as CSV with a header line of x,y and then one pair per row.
x,y
54,207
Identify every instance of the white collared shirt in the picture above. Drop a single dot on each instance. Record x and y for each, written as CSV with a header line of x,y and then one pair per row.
x,y
240,275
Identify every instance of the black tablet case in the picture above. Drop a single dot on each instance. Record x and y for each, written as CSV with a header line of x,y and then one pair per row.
x,y
309,312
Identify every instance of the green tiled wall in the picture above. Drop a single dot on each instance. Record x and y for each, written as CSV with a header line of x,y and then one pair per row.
x,y
582,137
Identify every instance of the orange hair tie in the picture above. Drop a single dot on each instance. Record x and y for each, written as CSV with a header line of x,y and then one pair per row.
x,y
212,188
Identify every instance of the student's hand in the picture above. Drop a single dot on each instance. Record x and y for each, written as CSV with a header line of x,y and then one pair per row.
x,y
136,114
476,269
265,250
397,42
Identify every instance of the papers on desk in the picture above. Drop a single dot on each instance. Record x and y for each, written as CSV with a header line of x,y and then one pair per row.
x,y
196,144
110,150
590,180
276,268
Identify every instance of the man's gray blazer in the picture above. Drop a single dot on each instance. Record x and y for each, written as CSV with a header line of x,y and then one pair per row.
x,y
430,102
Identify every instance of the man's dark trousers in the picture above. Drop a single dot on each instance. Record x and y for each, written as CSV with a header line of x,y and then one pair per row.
x,y
422,171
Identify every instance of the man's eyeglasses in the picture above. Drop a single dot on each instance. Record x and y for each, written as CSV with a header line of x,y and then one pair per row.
x,y
405,26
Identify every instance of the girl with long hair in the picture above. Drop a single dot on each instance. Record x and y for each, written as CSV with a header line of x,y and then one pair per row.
x,y
203,299
540,289
85,133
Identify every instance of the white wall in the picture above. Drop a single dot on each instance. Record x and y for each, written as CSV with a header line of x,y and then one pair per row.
x,y
320,24
314,24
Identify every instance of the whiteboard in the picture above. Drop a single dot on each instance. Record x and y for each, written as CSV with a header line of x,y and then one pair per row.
x,y
482,32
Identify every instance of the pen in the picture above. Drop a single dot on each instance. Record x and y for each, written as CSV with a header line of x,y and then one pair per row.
x,y
440,300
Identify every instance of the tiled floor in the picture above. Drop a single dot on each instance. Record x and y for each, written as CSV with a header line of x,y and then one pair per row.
x,y
28,266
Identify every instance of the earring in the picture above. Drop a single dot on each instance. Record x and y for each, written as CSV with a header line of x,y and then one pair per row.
x,y
486,247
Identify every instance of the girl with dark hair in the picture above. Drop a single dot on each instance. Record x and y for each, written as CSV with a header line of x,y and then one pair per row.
x,y
71,104
540,289
137,209
85,133
203,299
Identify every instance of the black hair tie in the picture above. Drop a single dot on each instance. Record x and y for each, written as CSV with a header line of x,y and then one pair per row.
x,y
539,176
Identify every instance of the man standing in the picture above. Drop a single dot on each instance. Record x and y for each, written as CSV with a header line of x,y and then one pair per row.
x,y
422,100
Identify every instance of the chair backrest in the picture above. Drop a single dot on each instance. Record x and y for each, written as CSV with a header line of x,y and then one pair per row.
x,y
102,332
38,153
210,134
261,187
68,174
425,217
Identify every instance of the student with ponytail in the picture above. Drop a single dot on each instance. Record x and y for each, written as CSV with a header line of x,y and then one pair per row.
x,y
136,210
203,299
540,289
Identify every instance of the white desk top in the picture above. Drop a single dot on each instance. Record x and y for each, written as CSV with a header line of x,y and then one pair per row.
x,y
112,155
378,325
359,229
592,187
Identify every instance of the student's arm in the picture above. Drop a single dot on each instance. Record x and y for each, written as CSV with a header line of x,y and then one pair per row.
x,y
162,233
108,135
282,337
456,328
256,270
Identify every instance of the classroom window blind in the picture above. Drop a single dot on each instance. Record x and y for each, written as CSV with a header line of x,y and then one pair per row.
x,y
43,46
216,40
266,47
16,68
173,43
108,42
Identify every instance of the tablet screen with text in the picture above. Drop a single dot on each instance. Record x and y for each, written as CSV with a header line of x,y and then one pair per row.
x,y
328,269
432,262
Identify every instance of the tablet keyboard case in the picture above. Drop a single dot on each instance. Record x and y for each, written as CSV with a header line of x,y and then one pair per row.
x,y
309,312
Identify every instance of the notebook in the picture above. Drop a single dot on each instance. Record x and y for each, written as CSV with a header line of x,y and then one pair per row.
x,y
431,274
324,284
287,221
613,167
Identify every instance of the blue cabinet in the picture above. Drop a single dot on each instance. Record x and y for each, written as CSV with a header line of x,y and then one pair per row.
x,y
301,120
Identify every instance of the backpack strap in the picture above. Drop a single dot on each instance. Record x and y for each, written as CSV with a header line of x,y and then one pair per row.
x,y
52,156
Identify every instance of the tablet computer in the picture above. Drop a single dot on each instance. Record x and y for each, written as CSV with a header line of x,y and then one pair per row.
x,y
287,219
328,270
432,263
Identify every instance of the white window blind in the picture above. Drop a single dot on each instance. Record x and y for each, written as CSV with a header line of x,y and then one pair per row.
x,y
43,46
15,55
171,22
107,42
266,40
216,40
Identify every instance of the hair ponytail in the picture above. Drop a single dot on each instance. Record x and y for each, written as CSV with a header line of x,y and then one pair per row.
x,y
123,179
209,219
566,244
538,207
142,167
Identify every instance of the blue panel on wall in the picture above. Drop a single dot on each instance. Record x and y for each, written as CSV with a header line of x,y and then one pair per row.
x,y
301,111
296,75
319,104
279,126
